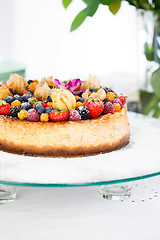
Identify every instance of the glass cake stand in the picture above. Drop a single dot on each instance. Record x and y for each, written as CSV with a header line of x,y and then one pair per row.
x,y
113,172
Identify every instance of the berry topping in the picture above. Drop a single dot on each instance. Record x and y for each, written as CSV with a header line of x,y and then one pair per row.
x,y
78,104
17,97
25,97
32,86
106,100
29,81
44,117
49,104
9,99
39,108
93,89
122,99
117,100
49,99
30,91
26,106
4,108
108,108
22,114
80,100
48,109
117,107
84,112
110,96
44,104
16,103
95,108
58,116
104,88
32,115
14,111
74,116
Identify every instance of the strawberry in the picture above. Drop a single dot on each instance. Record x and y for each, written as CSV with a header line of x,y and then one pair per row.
x,y
95,107
4,108
58,116
122,99
44,104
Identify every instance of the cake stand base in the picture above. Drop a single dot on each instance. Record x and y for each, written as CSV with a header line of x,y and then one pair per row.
x,y
7,193
119,191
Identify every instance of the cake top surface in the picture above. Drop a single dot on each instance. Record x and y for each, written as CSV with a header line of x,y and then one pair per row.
x,y
52,100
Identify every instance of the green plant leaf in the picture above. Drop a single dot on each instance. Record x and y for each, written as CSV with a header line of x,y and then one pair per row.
x,y
107,2
155,82
114,8
157,4
87,1
79,19
91,8
66,3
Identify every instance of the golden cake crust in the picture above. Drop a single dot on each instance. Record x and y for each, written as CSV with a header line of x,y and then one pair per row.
x,y
103,134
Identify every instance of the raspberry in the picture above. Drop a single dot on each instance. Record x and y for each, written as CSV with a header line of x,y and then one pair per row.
x,y
44,117
108,108
122,99
22,114
16,103
74,116
116,100
32,115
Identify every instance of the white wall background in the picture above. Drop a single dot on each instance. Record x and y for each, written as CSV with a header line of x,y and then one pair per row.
x,y
36,32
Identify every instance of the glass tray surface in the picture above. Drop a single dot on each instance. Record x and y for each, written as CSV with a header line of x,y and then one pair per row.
x,y
138,160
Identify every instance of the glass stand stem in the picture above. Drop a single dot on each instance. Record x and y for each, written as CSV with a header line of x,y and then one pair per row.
x,y
7,193
119,191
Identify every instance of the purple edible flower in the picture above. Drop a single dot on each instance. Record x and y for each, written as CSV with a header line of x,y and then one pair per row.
x,y
73,84
59,84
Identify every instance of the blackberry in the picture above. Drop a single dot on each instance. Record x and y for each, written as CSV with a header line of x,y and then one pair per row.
x,y
39,108
49,99
26,106
9,99
93,89
106,100
48,109
83,111
14,111
80,100
110,90
17,97
25,97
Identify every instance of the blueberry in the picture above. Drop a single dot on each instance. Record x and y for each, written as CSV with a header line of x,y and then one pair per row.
x,y
17,97
80,100
49,99
14,111
30,81
29,90
110,90
83,111
25,97
48,109
39,108
26,106
93,89
9,99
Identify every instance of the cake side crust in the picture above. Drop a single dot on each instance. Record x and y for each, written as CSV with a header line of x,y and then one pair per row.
x,y
104,134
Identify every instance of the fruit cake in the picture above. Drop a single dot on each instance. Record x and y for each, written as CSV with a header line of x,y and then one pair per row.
x,y
55,118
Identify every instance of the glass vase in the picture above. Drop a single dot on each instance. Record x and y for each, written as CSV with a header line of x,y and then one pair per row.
x,y
149,61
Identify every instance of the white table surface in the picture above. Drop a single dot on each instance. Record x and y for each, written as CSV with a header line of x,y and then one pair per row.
x,y
80,213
